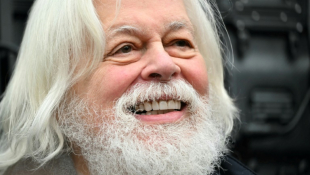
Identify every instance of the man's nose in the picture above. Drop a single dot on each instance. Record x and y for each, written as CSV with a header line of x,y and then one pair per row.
x,y
160,65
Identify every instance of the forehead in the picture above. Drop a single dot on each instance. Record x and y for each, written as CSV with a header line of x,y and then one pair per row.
x,y
145,13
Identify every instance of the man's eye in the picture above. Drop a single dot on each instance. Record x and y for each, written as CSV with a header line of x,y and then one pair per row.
x,y
182,43
181,48
124,49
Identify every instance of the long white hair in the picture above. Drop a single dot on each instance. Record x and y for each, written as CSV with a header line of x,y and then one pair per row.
x,y
61,34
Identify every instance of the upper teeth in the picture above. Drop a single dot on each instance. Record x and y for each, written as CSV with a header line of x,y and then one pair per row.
x,y
159,105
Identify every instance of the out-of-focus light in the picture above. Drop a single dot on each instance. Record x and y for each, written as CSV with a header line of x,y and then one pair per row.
x,y
255,16
299,27
297,8
283,17
239,6
240,25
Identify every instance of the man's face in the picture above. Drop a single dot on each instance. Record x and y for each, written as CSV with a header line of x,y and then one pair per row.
x,y
151,60
146,41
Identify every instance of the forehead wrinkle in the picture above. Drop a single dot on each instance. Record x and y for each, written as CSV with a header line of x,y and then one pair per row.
x,y
124,29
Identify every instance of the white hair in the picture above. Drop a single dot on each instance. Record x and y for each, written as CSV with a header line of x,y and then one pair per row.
x,y
59,35
119,144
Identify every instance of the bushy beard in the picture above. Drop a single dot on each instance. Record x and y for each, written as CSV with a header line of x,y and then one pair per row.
x,y
115,142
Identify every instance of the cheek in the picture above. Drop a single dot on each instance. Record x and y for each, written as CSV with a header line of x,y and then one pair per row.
x,y
196,74
109,83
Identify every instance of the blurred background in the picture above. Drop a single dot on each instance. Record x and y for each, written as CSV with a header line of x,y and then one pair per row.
x,y
269,80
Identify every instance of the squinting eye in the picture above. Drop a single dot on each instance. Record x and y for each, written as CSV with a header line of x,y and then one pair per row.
x,y
124,49
182,43
181,48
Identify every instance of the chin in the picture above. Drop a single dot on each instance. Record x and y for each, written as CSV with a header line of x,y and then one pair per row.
x,y
188,139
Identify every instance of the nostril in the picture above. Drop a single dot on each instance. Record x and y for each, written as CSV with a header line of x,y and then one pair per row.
x,y
174,74
155,75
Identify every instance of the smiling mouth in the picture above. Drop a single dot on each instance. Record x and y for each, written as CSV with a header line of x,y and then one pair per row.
x,y
157,107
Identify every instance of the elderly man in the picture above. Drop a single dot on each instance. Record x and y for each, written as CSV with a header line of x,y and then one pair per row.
x,y
118,87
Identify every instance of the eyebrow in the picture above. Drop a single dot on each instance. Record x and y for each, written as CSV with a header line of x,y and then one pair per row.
x,y
178,25
125,29
132,30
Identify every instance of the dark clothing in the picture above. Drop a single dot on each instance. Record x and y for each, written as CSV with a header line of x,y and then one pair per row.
x,y
231,166
63,165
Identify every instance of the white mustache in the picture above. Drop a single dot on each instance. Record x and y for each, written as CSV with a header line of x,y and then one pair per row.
x,y
153,91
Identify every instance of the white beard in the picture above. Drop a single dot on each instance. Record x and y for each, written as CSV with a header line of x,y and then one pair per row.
x,y
118,143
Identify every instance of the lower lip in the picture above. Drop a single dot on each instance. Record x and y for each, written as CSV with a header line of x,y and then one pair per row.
x,y
170,117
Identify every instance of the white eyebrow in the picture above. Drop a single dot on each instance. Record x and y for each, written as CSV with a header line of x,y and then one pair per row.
x,y
177,25
123,29
132,30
